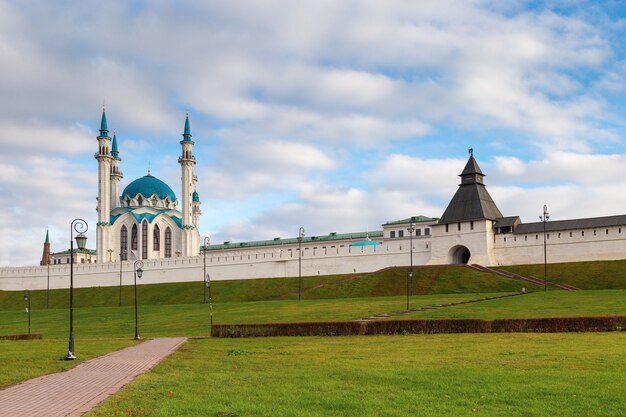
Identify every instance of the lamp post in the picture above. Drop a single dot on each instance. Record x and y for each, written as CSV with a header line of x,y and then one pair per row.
x,y
122,253
409,278
138,273
300,237
544,219
208,285
110,253
27,299
48,285
79,226
207,240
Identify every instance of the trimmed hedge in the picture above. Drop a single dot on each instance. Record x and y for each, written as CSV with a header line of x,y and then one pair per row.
x,y
21,336
348,328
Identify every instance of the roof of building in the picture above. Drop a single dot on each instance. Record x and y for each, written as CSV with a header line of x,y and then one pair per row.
x,y
187,134
506,221
104,130
414,219
307,239
195,197
114,152
572,224
67,252
148,186
471,201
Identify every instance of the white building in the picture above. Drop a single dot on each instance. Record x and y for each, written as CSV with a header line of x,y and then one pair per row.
x,y
143,222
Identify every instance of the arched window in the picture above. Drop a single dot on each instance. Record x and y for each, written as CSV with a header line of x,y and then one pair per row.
x,y
156,239
124,243
167,202
144,240
168,243
127,201
154,201
140,201
133,238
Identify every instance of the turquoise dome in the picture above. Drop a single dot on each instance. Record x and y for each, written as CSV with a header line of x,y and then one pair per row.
x,y
147,186
195,197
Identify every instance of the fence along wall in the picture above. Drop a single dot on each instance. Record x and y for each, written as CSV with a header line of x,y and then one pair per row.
x,y
222,265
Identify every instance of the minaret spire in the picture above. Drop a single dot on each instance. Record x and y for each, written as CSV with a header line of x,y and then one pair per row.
x,y
190,235
106,170
104,130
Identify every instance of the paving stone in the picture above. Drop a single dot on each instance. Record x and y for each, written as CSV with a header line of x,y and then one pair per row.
x,y
80,389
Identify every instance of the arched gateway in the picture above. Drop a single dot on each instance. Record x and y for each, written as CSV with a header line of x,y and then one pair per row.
x,y
459,255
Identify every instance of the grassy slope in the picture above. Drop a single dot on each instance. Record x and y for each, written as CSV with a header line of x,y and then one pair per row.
x,y
494,375
584,275
427,280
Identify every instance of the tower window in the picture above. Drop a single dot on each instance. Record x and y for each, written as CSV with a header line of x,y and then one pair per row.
x,y
133,238
156,239
472,225
168,243
124,243
144,240
458,226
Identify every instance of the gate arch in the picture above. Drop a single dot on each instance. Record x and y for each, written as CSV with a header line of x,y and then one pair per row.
x,y
459,255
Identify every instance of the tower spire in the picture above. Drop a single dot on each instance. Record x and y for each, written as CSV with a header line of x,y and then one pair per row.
x,y
114,152
187,132
104,130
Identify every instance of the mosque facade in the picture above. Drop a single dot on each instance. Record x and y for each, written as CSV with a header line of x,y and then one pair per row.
x,y
146,220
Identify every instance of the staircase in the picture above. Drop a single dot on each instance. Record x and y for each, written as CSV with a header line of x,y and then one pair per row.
x,y
511,275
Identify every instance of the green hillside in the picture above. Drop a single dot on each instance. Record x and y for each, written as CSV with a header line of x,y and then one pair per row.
x,y
388,282
594,275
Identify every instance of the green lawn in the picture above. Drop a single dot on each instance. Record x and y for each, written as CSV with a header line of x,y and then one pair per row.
x,y
428,280
506,375
25,359
193,319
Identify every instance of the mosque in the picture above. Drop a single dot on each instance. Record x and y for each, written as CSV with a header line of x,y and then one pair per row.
x,y
144,221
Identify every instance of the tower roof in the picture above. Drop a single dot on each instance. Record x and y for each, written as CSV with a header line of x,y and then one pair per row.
x,y
195,197
472,200
47,239
114,152
187,133
104,130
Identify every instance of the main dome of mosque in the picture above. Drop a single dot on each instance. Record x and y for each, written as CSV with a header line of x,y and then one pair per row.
x,y
148,186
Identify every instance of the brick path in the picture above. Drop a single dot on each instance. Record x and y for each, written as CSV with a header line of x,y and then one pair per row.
x,y
80,389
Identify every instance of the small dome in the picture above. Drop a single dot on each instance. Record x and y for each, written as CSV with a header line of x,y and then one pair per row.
x,y
148,186
195,197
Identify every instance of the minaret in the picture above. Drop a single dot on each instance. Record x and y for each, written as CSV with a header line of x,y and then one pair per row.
x,y
116,175
45,258
104,190
196,212
187,162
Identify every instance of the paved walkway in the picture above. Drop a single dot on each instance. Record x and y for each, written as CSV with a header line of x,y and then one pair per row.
x,y
80,389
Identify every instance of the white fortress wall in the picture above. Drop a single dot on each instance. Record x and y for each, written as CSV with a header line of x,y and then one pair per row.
x,y
606,243
246,263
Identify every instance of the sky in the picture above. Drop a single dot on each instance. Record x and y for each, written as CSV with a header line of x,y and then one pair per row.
x,y
336,116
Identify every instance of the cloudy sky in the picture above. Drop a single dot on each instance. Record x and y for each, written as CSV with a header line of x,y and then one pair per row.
x,y
332,115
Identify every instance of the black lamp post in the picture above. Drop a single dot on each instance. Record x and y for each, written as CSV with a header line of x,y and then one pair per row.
x,y
208,285
300,237
27,299
79,226
207,240
544,219
48,285
409,278
122,253
138,273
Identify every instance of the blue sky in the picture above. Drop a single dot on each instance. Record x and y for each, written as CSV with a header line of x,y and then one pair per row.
x,y
335,116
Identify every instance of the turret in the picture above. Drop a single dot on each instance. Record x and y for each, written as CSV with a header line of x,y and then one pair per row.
x,y
196,212
45,257
104,189
116,174
190,236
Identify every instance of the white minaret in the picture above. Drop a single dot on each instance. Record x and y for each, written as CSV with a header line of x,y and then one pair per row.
x,y
116,174
104,191
190,236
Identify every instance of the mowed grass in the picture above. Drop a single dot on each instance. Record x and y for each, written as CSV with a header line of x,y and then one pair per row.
x,y
25,359
506,375
194,319
389,282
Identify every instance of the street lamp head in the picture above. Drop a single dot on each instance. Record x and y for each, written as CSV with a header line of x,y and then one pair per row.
x,y
81,241
139,273
301,232
26,296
